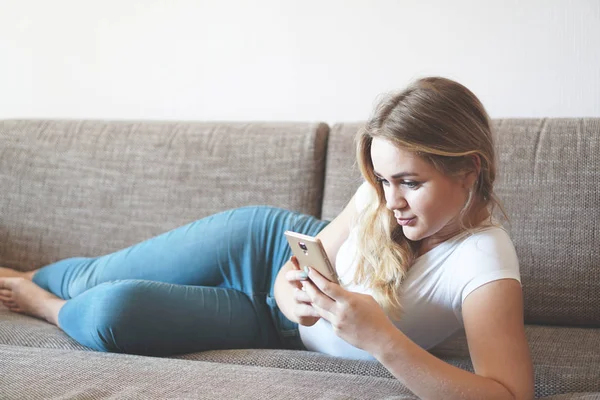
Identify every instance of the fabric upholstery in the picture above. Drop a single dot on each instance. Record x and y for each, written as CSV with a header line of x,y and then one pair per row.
x,y
562,365
20,330
64,374
565,359
573,396
86,188
548,183
91,187
342,175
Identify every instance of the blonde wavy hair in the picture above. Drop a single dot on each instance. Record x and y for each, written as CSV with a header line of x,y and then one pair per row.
x,y
444,123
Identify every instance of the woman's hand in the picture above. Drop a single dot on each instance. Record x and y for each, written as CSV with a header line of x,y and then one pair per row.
x,y
302,308
355,317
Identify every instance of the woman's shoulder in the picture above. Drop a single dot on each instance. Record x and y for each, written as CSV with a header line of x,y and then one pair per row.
x,y
490,238
485,245
485,255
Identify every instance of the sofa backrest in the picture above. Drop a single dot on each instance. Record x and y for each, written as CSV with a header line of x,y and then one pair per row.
x,y
548,181
87,188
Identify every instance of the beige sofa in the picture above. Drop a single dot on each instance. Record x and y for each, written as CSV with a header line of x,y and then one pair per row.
x,y
90,187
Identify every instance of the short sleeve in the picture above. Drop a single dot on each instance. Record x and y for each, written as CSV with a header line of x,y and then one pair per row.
x,y
486,256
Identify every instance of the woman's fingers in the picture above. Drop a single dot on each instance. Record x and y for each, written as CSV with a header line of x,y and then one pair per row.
x,y
303,310
306,310
295,277
319,298
306,314
325,286
301,296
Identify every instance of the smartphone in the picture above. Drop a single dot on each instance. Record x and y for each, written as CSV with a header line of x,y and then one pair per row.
x,y
310,252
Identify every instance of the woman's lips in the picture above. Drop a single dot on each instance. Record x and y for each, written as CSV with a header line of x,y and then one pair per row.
x,y
406,221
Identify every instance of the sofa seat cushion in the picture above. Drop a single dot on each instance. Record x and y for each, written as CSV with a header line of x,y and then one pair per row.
x,y
21,330
574,396
566,360
34,373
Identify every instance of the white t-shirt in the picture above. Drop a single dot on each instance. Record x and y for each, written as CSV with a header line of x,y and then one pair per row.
x,y
434,289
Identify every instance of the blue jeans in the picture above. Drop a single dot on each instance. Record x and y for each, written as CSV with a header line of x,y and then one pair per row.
x,y
205,285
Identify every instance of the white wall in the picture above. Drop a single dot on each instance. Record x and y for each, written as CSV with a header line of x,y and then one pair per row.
x,y
291,59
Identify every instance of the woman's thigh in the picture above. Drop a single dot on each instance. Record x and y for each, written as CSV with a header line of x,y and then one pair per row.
x,y
241,248
155,318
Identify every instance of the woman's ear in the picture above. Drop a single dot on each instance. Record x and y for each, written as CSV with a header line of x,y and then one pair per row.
x,y
471,176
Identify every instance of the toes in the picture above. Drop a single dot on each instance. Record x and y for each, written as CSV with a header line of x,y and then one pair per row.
x,y
12,306
10,283
8,300
5,283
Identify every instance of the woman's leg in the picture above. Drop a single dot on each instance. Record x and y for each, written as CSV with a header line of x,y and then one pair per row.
x,y
149,318
239,252
155,318
13,273
21,295
234,249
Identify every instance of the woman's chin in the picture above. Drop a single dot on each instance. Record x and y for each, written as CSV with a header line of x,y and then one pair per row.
x,y
411,233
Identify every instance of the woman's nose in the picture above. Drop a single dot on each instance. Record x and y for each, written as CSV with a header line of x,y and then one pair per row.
x,y
395,200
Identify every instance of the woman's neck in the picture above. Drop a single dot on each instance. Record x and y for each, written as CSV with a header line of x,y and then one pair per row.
x,y
476,218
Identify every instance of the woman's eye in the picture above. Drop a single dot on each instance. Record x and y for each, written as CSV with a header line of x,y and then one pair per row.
x,y
383,181
411,184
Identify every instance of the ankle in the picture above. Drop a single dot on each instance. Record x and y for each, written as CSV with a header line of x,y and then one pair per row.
x,y
52,310
29,275
6,272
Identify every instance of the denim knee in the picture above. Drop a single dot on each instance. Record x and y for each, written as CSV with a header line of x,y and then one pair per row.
x,y
103,317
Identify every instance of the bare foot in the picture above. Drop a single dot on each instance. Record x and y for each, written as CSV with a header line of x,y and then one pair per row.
x,y
23,296
13,273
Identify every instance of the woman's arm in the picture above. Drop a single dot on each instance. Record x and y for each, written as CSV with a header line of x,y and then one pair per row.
x,y
493,318
289,277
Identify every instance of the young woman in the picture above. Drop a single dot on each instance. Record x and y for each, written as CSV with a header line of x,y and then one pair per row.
x,y
417,251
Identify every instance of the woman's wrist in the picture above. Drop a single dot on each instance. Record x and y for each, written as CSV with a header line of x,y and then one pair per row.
x,y
388,344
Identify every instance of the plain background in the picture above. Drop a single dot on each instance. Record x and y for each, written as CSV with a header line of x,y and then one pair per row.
x,y
293,60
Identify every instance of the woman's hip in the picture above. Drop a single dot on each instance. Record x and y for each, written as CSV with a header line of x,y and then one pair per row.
x,y
255,247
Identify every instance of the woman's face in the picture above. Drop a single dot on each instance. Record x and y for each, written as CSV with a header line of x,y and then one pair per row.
x,y
425,202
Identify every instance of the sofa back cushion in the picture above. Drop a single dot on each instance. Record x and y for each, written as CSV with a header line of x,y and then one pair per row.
x,y
548,174
85,188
